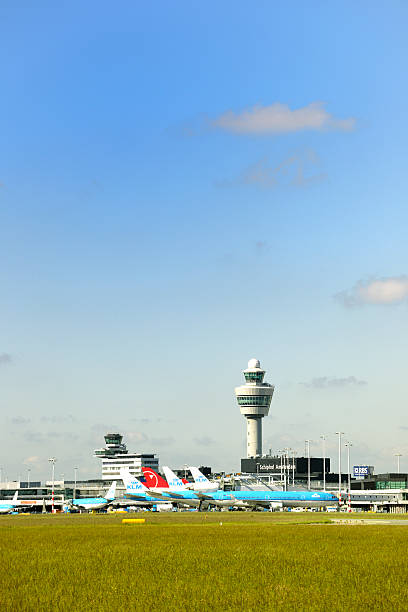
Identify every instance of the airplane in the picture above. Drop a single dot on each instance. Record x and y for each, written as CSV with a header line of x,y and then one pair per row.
x,y
247,499
253,500
7,507
156,482
137,491
201,482
239,499
95,503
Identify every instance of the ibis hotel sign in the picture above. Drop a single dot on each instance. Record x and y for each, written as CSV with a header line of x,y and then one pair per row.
x,y
361,471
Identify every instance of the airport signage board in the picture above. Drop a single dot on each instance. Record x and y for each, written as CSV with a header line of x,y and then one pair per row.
x,y
360,471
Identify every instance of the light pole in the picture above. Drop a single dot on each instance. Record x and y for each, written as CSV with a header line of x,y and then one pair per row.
x,y
28,478
1,474
281,466
398,456
287,467
323,437
52,460
340,433
293,468
348,444
75,481
307,442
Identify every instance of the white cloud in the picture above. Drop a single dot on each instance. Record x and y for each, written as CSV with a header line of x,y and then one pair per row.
x,y
30,460
279,118
298,169
324,382
390,290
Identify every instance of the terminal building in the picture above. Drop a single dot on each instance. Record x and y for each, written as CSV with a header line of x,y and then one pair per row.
x,y
115,456
290,469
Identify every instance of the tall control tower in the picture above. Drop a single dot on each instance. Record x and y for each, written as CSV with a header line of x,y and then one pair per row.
x,y
254,399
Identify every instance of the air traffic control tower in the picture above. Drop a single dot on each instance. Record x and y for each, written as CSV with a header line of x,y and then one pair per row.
x,y
254,399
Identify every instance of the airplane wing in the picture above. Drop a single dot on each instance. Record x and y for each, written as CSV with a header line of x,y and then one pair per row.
x,y
203,496
157,495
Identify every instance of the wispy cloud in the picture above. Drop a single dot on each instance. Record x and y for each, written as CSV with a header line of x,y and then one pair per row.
x,y
279,118
5,358
325,382
388,291
18,420
57,419
32,460
204,441
298,169
41,437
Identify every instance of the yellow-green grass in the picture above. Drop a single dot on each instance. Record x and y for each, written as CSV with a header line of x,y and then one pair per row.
x,y
189,561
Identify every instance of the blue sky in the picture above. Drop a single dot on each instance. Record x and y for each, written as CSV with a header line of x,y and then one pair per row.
x,y
185,187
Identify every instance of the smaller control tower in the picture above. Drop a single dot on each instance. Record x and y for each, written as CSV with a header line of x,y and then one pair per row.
x,y
254,399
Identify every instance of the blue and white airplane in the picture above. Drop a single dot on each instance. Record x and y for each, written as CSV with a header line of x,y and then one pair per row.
x,y
179,494
238,499
201,482
7,507
95,503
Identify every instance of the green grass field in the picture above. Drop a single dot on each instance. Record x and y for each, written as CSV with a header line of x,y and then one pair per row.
x,y
189,561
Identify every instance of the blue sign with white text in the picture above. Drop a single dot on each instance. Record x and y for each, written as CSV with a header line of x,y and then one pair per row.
x,y
361,470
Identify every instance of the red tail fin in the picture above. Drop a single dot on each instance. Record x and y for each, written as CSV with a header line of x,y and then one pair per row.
x,y
154,480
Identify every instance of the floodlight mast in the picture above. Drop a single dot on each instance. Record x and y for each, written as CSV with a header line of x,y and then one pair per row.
x,y
323,437
254,399
347,445
307,442
52,461
340,433
398,456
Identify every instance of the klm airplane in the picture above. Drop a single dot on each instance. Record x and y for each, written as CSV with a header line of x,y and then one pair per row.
x,y
251,499
95,503
7,507
238,499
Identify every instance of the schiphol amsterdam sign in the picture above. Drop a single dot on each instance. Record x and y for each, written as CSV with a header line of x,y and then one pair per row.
x,y
274,467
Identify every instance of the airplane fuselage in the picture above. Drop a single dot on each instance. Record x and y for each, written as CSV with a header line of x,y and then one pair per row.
x,y
91,503
243,498
6,508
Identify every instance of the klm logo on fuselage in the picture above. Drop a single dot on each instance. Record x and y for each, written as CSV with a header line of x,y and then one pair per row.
x,y
135,485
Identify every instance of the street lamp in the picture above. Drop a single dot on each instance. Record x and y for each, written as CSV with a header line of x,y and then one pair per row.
x,y
287,467
75,481
281,465
398,456
293,468
307,442
52,460
28,478
340,433
348,444
323,437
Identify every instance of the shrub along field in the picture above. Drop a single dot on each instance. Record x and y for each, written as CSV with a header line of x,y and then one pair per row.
x,y
201,561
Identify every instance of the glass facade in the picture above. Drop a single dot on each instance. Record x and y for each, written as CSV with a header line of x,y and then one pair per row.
x,y
390,484
254,400
254,376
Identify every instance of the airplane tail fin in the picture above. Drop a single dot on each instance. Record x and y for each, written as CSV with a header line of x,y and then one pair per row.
x,y
132,484
198,476
15,497
154,480
201,480
174,481
110,495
